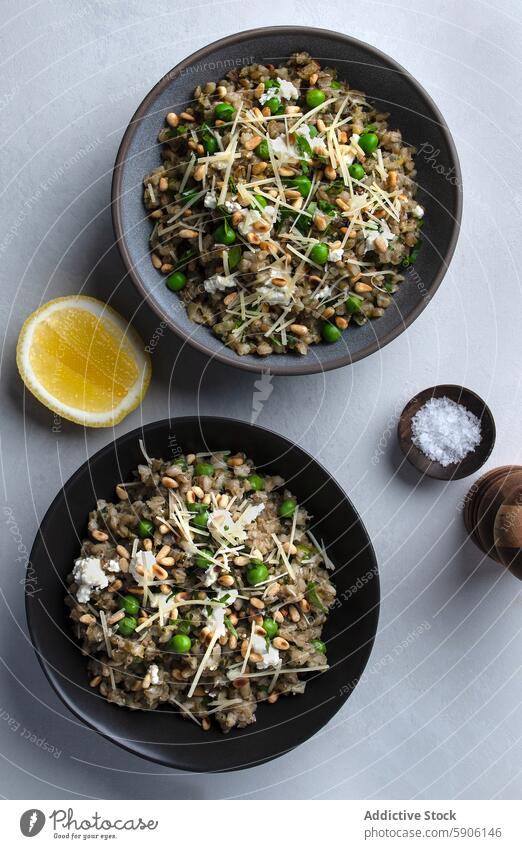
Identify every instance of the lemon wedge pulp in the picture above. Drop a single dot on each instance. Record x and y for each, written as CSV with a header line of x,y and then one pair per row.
x,y
82,360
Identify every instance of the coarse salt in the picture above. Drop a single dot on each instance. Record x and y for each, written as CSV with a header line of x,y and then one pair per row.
x,y
445,431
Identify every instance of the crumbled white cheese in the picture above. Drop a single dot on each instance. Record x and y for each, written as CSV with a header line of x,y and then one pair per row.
x,y
154,673
216,620
317,144
274,295
271,294
211,575
371,234
219,283
285,91
351,153
251,218
210,200
283,151
146,559
418,211
232,206
335,255
113,566
270,655
88,575
323,293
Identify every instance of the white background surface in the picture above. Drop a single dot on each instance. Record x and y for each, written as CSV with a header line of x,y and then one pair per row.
x,y
435,719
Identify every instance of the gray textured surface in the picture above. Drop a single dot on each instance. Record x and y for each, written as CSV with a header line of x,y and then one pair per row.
x,y
437,713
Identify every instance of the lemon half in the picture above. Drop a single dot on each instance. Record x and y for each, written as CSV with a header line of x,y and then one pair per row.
x,y
82,360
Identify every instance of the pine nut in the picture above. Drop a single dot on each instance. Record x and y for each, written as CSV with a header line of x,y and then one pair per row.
x,y
190,459
254,657
341,322
146,681
122,493
95,681
298,329
172,119
235,461
252,142
380,244
229,299
87,619
312,79
165,561
328,313
294,614
392,179
266,112
289,548
361,288
292,193
237,218
122,551
241,560
164,589
223,501
166,268
321,126
191,498
163,529
199,172
205,724
320,221
233,619
257,603
135,590
99,536
253,238
259,168
198,492
280,643
304,604
156,261
272,698
226,581
278,617
342,204
187,116
159,572
188,234
206,499
330,173
292,110
147,544
163,184
221,91
232,642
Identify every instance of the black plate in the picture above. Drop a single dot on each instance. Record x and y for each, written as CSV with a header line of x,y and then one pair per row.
x,y
162,735
389,86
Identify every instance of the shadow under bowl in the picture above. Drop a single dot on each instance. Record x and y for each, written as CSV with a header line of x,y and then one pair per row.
x,y
392,89
162,735
474,460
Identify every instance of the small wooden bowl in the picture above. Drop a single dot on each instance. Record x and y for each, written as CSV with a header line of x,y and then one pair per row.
x,y
474,459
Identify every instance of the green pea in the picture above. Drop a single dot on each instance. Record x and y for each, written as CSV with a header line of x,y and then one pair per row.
x,y
272,84
369,142
176,281
271,628
179,644
200,519
127,626
181,462
335,84
260,201
274,104
287,508
257,574
330,332
319,646
303,185
234,257
204,469
224,234
224,111
256,562
320,253
210,143
196,508
145,528
203,558
256,482
130,604
353,303
357,171
314,97
262,150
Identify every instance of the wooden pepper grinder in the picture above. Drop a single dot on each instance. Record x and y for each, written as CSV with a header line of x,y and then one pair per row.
x,y
493,516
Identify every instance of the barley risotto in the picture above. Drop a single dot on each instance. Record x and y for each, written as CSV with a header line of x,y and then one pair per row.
x,y
201,587
284,210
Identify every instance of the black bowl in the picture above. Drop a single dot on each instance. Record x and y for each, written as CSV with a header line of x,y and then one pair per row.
x,y
388,85
161,735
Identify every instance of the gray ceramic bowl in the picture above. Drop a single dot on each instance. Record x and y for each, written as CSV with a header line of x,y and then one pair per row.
x,y
388,85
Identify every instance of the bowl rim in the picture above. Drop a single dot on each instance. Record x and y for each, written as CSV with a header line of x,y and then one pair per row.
x,y
223,355
54,676
456,471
